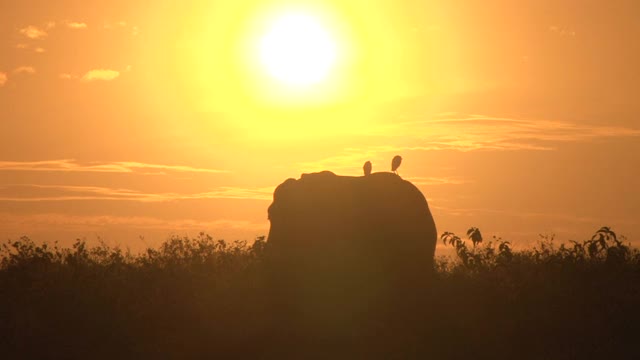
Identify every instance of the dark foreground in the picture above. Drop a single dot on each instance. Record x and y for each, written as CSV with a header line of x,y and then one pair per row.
x,y
200,298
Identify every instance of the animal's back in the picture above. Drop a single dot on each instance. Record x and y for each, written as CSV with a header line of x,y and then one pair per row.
x,y
378,221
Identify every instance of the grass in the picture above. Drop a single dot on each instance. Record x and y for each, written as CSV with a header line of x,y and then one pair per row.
x,y
203,298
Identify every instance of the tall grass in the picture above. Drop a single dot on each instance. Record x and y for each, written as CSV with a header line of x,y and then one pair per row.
x,y
201,298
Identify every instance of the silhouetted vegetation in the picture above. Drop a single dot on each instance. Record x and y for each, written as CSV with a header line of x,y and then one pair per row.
x,y
202,298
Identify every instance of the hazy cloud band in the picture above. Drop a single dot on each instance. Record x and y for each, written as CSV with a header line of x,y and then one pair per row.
x,y
71,165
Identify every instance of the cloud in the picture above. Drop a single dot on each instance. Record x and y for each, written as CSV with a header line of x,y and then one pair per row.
x,y
117,24
11,221
76,25
348,159
227,192
558,217
180,168
3,78
71,165
458,132
33,32
100,74
96,75
122,24
480,132
40,193
23,46
561,31
25,70
436,180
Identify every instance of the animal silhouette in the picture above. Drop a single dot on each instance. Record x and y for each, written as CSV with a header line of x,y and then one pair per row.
x,y
395,163
367,168
337,242
339,229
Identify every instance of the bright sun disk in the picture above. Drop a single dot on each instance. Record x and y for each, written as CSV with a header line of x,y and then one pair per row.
x,y
297,50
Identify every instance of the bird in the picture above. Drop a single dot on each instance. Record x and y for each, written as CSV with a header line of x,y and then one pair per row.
x,y
367,168
395,163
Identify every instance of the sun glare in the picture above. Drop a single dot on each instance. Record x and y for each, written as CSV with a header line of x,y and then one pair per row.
x,y
297,50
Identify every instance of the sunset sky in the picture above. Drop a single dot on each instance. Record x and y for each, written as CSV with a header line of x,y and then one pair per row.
x,y
123,119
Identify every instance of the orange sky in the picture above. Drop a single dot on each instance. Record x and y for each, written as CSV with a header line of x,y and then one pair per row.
x,y
122,119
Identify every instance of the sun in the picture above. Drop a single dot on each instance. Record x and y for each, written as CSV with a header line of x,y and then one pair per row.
x,y
297,51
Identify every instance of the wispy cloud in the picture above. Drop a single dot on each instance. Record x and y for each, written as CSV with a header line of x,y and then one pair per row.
x,y
76,25
16,222
228,192
3,78
350,158
25,70
33,32
122,25
434,180
95,75
71,165
467,133
26,47
477,132
40,193
561,31
475,212
117,24
100,74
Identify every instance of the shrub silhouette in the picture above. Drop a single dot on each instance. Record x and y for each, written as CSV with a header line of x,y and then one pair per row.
x,y
200,297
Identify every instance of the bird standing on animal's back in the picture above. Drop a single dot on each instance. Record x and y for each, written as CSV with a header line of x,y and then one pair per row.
x,y
395,163
367,168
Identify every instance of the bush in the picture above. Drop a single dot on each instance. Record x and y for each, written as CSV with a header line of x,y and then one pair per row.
x,y
200,297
